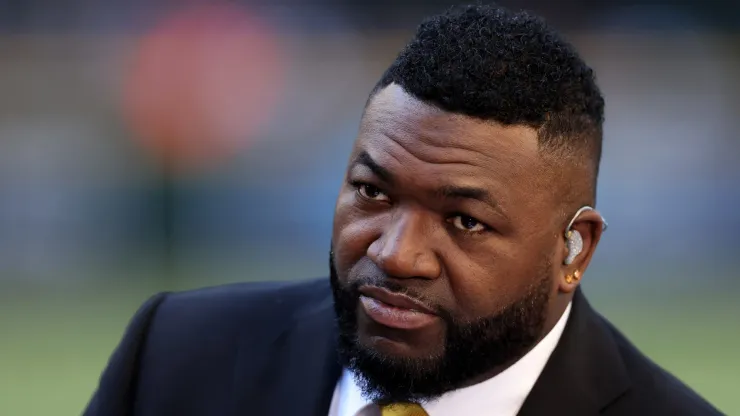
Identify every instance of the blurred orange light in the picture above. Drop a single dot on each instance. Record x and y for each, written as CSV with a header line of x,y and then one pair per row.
x,y
203,85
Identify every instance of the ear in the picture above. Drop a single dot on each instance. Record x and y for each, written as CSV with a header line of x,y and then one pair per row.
x,y
590,225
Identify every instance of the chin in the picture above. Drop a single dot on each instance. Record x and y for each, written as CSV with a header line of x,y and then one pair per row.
x,y
389,348
392,343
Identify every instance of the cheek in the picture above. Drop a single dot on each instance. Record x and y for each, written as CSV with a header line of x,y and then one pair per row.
x,y
353,232
485,286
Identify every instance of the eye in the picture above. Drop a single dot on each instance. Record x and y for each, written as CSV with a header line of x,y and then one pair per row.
x,y
468,224
370,192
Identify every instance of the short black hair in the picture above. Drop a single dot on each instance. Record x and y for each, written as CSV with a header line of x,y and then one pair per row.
x,y
491,63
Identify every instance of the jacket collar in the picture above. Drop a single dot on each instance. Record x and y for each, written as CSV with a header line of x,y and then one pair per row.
x,y
295,373
585,373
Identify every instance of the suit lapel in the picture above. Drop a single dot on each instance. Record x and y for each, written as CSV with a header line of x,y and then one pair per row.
x,y
296,373
312,365
585,372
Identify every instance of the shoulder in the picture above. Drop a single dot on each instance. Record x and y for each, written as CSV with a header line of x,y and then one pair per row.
x,y
654,389
198,333
211,322
239,305
243,300
194,340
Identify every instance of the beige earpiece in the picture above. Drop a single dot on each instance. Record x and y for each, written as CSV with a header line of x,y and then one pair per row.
x,y
575,245
574,240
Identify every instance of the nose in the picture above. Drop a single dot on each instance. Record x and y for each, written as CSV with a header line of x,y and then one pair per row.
x,y
404,250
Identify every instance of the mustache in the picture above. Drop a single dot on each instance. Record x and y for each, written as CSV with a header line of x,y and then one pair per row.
x,y
393,286
366,274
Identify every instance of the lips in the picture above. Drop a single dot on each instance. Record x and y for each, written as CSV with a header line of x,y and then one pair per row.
x,y
395,299
395,310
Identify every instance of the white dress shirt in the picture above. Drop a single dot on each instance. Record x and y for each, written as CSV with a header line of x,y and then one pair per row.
x,y
502,395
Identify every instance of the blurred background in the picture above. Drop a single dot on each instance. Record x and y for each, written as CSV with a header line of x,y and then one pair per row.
x,y
166,145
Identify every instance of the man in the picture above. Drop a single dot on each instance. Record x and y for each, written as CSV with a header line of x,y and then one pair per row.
x,y
461,233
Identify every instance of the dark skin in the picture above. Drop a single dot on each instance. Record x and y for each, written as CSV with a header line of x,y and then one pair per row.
x,y
458,210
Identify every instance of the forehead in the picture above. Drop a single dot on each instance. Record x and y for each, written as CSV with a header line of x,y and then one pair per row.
x,y
403,130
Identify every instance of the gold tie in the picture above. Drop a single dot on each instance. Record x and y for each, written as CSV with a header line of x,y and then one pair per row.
x,y
402,409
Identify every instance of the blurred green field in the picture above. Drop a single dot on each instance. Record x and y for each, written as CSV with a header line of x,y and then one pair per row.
x,y
55,342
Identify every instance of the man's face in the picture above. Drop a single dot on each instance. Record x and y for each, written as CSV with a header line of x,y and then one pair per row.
x,y
443,249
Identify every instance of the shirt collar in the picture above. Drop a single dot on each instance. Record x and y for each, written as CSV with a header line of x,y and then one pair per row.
x,y
503,394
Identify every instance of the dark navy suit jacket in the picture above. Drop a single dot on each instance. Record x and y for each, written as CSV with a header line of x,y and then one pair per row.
x,y
267,349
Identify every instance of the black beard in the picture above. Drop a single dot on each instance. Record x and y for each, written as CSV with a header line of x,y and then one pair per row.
x,y
471,349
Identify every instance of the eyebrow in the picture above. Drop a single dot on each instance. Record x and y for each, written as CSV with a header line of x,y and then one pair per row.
x,y
466,192
363,158
447,192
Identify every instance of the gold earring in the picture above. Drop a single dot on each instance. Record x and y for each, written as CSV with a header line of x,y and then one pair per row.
x,y
576,276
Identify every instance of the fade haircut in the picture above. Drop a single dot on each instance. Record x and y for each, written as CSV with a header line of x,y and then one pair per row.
x,y
491,63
